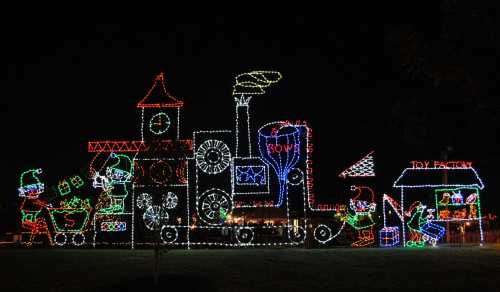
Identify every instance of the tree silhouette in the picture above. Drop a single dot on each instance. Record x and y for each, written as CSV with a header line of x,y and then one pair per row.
x,y
447,65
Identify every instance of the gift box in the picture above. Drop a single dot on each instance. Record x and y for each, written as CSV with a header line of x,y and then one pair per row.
x,y
389,236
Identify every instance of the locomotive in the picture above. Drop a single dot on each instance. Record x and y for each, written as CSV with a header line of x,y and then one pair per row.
x,y
213,189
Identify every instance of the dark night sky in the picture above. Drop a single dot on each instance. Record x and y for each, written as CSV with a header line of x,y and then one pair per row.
x,y
70,79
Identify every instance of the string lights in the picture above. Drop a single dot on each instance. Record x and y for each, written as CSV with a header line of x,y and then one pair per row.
x,y
30,184
68,215
389,236
213,156
246,86
251,175
159,123
212,190
170,200
167,102
154,217
30,188
365,167
113,226
421,228
287,137
360,215
166,145
454,186
254,82
70,218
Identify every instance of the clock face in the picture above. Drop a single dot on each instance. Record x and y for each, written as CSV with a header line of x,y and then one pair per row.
x,y
159,123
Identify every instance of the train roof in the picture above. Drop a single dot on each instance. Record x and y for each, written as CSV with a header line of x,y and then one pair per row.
x,y
434,177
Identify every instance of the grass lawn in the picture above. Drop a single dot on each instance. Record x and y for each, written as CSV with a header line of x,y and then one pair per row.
x,y
341,269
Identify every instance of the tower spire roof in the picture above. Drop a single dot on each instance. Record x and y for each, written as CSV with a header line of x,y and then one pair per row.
x,y
158,96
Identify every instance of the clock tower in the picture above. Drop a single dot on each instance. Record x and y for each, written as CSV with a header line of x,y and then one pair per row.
x,y
160,113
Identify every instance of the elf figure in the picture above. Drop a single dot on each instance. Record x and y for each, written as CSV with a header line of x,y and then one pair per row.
x,y
114,185
421,228
415,212
30,188
360,215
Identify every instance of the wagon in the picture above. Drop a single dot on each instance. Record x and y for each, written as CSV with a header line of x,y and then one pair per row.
x,y
69,222
432,233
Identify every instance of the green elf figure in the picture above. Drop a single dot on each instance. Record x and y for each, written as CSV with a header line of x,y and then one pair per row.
x,y
114,184
30,189
360,215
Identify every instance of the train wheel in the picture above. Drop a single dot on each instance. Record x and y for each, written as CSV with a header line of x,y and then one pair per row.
x,y
295,176
296,234
78,239
169,234
211,203
322,233
213,156
244,235
60,239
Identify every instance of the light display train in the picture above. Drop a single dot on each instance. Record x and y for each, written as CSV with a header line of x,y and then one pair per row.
x,y
222,187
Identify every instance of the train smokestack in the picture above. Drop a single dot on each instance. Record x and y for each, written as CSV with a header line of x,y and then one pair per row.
x,y
243,143
246,86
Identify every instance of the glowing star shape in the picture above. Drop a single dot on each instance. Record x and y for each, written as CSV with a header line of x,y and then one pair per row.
x,y
250,175
213,156
365,167
154,217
